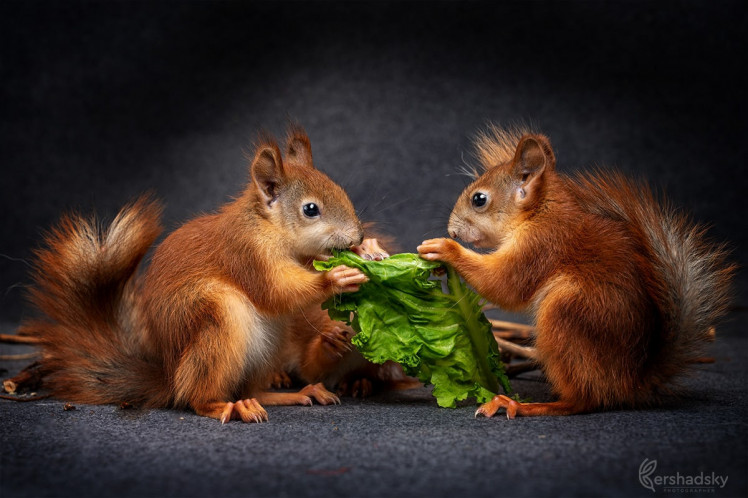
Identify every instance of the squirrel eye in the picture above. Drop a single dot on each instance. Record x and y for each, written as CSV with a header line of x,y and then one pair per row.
x,y
479,199
311,210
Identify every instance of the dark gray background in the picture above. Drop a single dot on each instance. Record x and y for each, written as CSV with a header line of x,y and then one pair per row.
x,y
103,101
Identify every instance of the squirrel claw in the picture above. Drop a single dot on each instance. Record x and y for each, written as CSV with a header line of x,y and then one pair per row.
x,y
337,341
356,387
321,394
370,250
489,409
226,415
280,380
362,388
248,410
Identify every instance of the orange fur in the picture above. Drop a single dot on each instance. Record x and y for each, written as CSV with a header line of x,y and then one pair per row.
x,y
622,288
203,325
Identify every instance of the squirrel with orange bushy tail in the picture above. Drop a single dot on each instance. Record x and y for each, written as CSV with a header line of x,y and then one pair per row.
x,y
203,325
623,289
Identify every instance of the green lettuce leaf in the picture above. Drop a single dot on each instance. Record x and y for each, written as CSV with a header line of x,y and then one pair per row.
x,y
403,315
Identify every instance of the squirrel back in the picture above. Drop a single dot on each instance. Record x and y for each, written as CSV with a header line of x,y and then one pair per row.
x,y
690,279
623,289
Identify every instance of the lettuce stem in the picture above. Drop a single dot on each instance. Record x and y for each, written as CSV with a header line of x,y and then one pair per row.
x,y
477,336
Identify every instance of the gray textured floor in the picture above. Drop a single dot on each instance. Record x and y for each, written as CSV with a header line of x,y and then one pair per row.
x,y
400,444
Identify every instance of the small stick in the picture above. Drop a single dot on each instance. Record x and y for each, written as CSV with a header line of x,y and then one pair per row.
x,y
16,357
511,335
18,339
515,369
25,398
29,378
703,359
515,349
512,326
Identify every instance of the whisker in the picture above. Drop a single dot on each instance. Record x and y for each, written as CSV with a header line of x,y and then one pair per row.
x,y
19,260
467,169
16,285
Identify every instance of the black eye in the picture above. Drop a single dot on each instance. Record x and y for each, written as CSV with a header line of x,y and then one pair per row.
x,y
479,199
311,210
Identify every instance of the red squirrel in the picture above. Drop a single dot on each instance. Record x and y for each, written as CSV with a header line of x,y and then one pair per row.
x,y
202,326
623,289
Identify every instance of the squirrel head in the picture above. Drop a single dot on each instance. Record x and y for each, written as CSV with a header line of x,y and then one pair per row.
x,y
506,194
311,212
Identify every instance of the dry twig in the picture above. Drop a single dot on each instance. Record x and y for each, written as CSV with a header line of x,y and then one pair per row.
x,y
516,349
29,378
19,339
512,329
515,369
25,398
16,357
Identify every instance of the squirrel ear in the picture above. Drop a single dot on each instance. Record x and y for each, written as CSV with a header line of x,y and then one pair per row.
x,y
267,170
534,156
299,149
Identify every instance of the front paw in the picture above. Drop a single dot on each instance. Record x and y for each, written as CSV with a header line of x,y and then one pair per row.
x,y
246,410
345,279
320,394
446,250
370,250
356,387
499,401
280,380
336,342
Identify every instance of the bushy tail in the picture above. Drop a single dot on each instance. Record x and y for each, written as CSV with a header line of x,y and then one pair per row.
x,y
83,287
692,275
697,291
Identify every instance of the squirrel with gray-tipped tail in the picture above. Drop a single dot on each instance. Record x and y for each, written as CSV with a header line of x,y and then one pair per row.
x,y
623,290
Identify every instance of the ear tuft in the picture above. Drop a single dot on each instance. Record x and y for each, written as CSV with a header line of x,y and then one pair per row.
x,y
496,145
299,148
267,169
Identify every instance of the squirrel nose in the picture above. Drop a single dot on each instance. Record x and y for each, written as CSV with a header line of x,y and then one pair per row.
x,y
453,234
